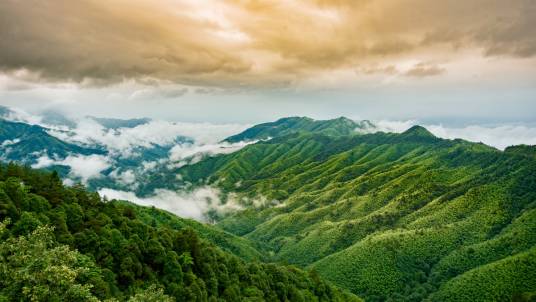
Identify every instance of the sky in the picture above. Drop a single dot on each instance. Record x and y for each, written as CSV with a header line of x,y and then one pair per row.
x,y
451,62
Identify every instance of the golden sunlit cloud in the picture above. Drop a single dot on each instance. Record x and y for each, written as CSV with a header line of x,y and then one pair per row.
x,y
240,43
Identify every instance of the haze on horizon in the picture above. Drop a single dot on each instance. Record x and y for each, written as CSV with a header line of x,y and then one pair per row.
x,y
451,62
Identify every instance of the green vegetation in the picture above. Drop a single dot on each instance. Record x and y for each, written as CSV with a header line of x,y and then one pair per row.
x,y
389,217
403,217
65,243
289,125
242,247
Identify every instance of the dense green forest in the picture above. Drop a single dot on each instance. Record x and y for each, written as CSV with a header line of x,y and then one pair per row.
x,y
67,244
401,217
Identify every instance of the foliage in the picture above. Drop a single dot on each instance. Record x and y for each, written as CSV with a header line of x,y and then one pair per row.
x,y
289,125
387,216
102,250
35,268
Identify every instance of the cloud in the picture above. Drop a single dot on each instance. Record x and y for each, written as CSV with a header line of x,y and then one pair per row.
x,y
125,177
103,42
422,70
9,142
148,165
194,204
499,136
156,93
174,145
237,44
194,153
43,162
19,115
83,167
392,126
417,70
86,167
124,141
375,69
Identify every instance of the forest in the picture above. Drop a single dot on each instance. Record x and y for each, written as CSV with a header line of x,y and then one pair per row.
x,y
67,244
390,217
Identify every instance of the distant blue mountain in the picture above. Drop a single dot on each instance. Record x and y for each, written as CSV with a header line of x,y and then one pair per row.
x,y
113,123
25,143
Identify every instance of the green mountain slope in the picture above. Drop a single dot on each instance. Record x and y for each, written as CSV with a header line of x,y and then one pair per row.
x,y
239,246
99,250
288,125
388,216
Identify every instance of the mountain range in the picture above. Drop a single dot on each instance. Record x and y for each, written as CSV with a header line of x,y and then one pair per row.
x,y
26,143
386,216
285,126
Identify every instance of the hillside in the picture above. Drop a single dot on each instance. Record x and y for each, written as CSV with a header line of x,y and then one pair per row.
x,y
389,216
289,125
66,244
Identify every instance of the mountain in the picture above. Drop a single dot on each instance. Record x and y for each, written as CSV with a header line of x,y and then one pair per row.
x,y
54,118
66,244
4,112
125,169
288,125
388,216
113,123
26,143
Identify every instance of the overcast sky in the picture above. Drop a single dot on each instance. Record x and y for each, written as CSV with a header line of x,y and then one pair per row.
x,y
451,61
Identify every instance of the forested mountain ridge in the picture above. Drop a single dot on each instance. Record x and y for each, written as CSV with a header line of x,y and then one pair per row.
x,y
57,142
100,250
289,125
389,216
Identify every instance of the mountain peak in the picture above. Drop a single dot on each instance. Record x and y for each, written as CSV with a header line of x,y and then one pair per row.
x,y
296,124
115,123
344,119
418,131
294,118
525,150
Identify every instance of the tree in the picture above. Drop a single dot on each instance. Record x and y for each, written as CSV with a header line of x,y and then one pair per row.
x,y
152,294
35,268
